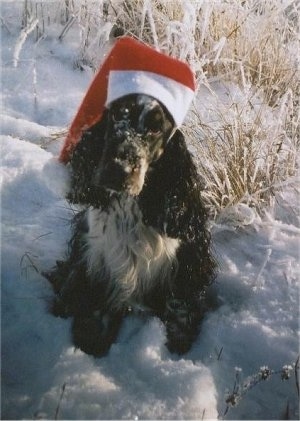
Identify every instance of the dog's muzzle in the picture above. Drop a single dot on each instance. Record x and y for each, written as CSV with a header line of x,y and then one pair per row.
x,y
125,172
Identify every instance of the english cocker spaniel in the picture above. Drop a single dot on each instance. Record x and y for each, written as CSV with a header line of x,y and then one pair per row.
x,y
140,241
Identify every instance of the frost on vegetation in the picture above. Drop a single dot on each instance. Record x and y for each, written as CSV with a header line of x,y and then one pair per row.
x,y
238,215
22,38
241,388
245,149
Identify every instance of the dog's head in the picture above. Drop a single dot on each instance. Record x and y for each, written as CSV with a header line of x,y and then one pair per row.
x,y
138,128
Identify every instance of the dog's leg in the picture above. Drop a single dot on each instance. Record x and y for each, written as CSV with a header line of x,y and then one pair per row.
x,y
72,291
95,333
182,319
94,329
59,278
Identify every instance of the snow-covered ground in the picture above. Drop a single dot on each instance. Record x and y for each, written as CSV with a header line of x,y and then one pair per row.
x,y
254,324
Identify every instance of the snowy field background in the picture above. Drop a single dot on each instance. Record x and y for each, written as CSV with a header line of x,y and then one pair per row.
x,y
253,328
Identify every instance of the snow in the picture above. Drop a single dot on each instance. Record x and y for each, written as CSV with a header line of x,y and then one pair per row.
x,y
254,323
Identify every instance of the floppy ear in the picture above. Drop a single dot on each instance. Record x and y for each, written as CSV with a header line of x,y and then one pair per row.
x,y
171,199
84,162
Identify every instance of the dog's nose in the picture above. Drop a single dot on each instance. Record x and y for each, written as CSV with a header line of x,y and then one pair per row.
x,y
129,156
127,166
136,168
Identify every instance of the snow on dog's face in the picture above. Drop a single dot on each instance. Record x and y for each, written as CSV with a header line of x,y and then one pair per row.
x,y
138,129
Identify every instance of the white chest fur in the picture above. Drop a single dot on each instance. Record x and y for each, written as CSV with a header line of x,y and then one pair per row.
x,y
130,256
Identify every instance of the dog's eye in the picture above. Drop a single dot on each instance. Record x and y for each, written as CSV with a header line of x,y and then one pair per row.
x,y
120,113
153,123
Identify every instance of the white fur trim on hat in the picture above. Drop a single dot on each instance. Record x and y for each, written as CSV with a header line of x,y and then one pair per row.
x,y
175,96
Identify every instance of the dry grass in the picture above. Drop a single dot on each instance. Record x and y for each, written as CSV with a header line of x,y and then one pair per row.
x,y
245,156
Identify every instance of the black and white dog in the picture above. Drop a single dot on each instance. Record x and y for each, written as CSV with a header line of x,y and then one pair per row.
x,y
140,241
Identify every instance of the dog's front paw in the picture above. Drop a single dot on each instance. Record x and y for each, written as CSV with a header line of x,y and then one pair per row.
x,y
94,335
181,325
87,336
180,337
179,344
58,309
57,275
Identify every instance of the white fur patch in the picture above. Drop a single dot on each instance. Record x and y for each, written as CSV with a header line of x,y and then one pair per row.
x,y
130,255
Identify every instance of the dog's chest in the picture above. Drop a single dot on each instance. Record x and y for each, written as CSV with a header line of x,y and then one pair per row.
x,y
132,257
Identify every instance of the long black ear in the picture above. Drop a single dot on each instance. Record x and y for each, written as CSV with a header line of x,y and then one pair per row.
x,y
171,198
84,162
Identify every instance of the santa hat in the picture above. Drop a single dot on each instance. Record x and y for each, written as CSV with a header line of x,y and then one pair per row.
x,y
133,67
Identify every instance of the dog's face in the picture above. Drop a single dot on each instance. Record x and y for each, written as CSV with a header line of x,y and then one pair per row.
x,y
138,129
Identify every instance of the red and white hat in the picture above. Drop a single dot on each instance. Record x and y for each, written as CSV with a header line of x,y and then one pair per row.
x,y
132,67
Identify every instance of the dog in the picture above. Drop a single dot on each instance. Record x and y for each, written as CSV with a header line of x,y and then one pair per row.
x,y
140,240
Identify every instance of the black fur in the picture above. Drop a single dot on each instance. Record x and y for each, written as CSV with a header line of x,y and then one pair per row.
x,y
169,201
